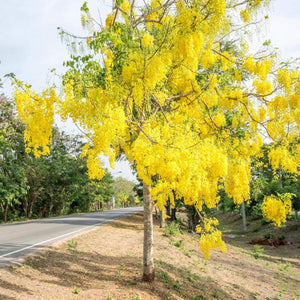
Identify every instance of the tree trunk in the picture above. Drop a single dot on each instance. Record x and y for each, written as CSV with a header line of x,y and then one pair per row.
x,y
173,214
25,206
5,212
168,208
161,219
148,271
50,207
191,219
280,176
156,212
244,217
31,201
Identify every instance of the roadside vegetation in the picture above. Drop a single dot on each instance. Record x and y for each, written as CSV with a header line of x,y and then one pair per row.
x,y
95,266
57,184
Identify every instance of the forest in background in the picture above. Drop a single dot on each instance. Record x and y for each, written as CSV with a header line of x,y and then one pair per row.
x,y
52,185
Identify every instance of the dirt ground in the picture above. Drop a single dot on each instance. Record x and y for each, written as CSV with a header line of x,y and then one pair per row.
x,y
106,263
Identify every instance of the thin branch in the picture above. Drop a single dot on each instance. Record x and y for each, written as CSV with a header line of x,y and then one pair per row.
x,y
161,44
84,133
238,29
221,54
115,17
75,36
178,96
153,21
209,114
132,8
142,130
239,4
168,3
162,110
121,10
200,216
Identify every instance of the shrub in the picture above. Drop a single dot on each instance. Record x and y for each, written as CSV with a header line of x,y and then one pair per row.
x,y
172,229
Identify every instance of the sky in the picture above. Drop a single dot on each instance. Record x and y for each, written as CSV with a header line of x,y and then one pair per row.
x,y
30,45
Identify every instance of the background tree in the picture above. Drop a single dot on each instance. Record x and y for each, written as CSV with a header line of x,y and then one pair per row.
x,y
50,185
13,183
267,182
124,191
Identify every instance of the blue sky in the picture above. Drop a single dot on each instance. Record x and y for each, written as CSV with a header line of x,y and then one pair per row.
x,y
30,45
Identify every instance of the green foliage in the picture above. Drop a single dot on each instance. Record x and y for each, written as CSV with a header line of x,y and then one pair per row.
x,y
124,192
72,245
257,251
172,229
266,182
179,245
13,183
57,184
268,236
256,228
285,267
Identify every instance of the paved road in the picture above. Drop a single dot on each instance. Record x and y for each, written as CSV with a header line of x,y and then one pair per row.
x,y
19,239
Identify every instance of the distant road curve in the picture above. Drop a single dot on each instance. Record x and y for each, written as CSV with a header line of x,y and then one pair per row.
x,y
20,239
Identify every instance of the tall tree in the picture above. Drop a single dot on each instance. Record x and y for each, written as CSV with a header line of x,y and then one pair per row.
x,y
159,86
13,183
123,189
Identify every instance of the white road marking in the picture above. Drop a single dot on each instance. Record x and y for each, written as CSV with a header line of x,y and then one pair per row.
x,y
57,237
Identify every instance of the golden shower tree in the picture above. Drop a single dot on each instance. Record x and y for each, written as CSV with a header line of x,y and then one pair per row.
x,y
164,84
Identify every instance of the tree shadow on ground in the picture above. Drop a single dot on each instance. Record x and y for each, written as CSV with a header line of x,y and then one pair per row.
x,y
2,297
13,287
86,271
135,223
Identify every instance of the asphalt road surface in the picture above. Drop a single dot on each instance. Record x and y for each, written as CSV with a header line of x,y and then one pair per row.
x,y
20,239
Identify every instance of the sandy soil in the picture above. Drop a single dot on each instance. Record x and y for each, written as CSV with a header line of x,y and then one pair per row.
x,y
107,264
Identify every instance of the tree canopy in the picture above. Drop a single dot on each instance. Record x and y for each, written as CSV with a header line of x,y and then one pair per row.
x,y
161,83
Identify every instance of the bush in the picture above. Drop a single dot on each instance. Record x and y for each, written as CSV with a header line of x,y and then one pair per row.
x,y
257,251
172,229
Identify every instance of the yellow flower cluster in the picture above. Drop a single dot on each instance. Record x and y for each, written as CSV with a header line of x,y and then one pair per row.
x,y
147,40
209,224
237,181
245,15
109,20
37,113
210,241
275,209
261,68
263,87
282,157
284,78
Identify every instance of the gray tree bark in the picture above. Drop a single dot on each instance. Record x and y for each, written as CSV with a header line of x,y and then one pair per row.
x,y
244,217
148,269
161,219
